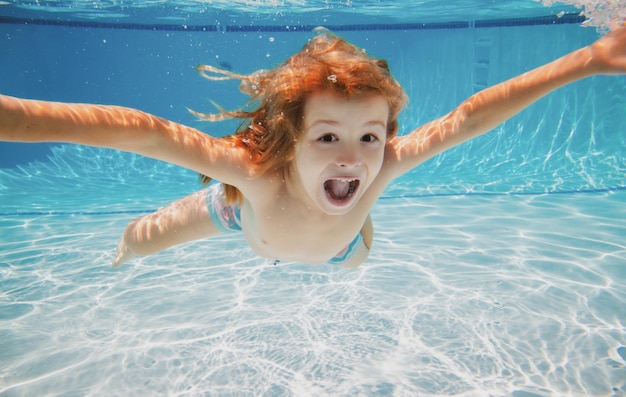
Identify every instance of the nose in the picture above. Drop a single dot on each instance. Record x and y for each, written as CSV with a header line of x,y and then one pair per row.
x,y
349,157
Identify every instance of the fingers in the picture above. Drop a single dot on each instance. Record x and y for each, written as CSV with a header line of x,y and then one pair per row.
x,y
122,254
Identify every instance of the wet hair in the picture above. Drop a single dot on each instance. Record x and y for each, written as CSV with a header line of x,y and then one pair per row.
x,y
272,126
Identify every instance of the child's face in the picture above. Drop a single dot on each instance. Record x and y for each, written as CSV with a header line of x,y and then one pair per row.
x,y
341,149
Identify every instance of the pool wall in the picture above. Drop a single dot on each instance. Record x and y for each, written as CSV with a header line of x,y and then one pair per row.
x,y
570,141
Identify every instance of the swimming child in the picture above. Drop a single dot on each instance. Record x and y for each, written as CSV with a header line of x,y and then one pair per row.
x,y
318,148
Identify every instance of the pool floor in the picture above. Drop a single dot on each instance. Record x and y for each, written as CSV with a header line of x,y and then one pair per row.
x,y
462,295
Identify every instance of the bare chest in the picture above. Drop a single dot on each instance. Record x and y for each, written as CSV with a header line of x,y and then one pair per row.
x,y
292,233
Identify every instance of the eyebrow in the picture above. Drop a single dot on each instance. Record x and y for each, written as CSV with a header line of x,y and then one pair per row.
x,y
376,122
335,122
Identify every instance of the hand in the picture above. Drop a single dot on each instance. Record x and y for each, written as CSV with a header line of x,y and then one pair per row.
x,y
123,254
608,54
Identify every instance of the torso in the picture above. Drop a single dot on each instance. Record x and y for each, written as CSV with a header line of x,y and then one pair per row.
x,y
278,226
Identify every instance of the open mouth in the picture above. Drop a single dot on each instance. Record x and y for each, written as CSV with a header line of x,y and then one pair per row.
x,y
341,190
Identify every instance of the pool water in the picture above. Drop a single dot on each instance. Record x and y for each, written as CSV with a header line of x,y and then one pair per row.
x,y
498,267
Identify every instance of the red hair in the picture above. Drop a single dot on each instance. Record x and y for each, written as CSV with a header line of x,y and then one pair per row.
x,y
325,63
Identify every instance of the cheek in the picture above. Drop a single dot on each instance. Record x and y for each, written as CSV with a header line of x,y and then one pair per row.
x,y
375,160
307,165
309,158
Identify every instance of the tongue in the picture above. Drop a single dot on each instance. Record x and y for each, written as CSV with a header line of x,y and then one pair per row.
x,y
338,189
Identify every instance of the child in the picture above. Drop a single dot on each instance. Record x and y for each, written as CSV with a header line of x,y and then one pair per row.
x,y
301,176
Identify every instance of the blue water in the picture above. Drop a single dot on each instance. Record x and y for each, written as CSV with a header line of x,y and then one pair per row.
x,y
498,268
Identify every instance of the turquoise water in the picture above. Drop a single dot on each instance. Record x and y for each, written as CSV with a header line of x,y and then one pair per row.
x,y
498,268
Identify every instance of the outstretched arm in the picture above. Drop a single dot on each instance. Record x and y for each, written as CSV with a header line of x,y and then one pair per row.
x,y
125,129
488,108
184,220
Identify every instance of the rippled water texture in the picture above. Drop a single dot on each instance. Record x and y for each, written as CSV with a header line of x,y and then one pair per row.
x,y
498,268
462,295
602,14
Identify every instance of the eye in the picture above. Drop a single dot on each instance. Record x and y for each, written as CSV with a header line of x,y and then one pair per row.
x,y
369,138
327,138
